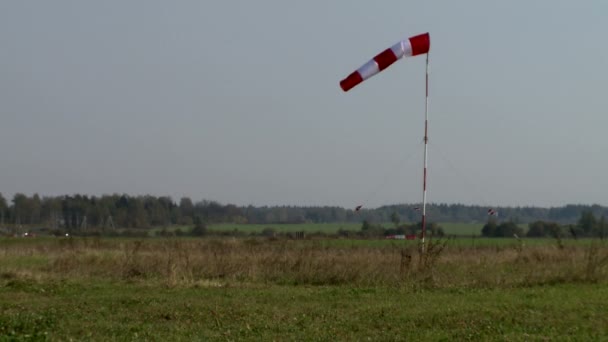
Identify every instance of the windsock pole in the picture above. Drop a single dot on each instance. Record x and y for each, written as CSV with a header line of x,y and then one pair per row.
x,y
410,47
426,143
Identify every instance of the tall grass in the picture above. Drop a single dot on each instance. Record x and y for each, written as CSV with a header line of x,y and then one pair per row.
x,y
188,262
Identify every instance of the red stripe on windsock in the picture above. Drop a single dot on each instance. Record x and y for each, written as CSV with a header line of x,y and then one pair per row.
x,y
351,81
420,44
385,58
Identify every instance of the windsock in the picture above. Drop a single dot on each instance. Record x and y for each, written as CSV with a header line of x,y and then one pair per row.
x,y
413,46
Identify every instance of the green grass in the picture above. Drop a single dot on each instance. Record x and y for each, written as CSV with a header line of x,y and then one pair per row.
x,y
134,311
461,229
456,242
184,228
185,289
465,229
287,228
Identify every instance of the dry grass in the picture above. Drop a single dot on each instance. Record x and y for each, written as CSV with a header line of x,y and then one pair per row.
x,y
216,262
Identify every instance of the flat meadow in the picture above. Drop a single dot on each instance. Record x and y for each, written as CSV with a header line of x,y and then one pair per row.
x,y
308,289
460,229
449,228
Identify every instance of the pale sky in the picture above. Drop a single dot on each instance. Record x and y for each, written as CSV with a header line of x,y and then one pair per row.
x,y
239,101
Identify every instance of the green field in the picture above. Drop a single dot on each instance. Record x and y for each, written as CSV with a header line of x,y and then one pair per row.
x,y
458,229
473,243
468,229
136,311
286,228
276,289
463,229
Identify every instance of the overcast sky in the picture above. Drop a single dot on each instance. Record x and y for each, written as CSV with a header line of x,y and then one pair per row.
x,y
239,101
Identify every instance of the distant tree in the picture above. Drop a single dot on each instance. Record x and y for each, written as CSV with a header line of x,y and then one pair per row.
x,y
395,219
553,229
269,232
505,229
20,208
35,209
435,230
122,202
432,229
402,229
186,209
344,233
3,210
508,229
536,229
137,217
51,211
600,229
371,230
489,229
164,233
366,226
543,229
587,222
200,228
575,231
156,212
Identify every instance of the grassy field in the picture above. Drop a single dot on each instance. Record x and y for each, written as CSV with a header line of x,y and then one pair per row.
x,y
462,229
469,243
287,228
269,289
136,311
450,228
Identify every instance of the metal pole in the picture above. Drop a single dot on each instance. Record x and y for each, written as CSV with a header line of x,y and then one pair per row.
x,y
426,140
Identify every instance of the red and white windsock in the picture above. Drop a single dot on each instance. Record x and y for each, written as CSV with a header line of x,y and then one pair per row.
x,y
413,46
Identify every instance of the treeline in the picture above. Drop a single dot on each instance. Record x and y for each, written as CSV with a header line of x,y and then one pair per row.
x,y
455,213
124,211
568,214
588,225
112,211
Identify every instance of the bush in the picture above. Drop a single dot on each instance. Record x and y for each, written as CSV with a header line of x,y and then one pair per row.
x,y
543,229
505,229
269,232
200,228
